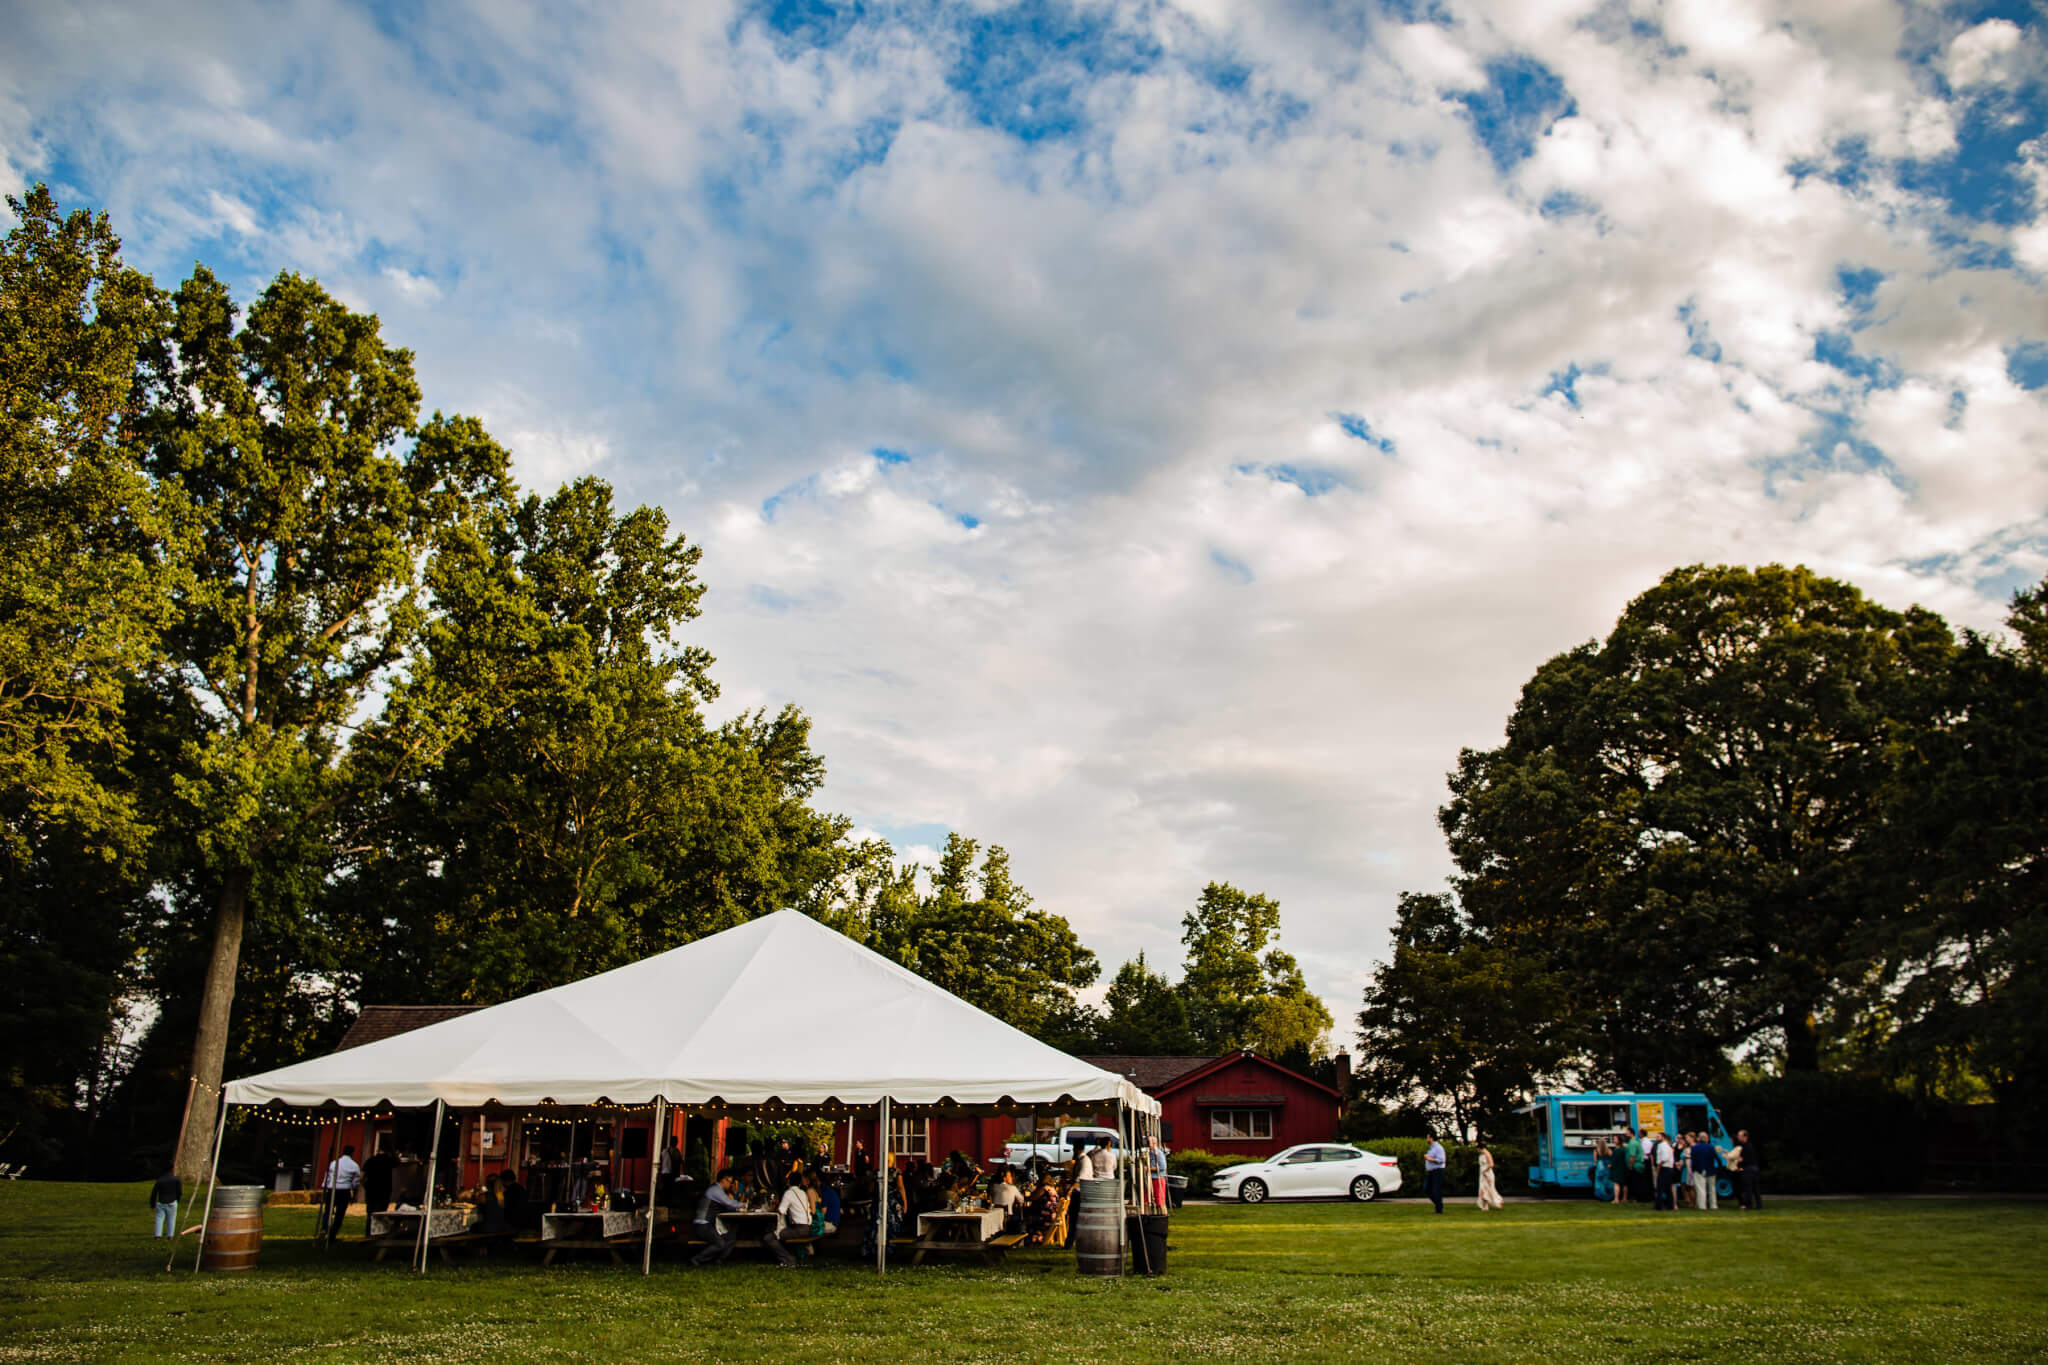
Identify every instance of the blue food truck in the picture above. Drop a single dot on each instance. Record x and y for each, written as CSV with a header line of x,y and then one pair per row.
x,y
1566,1127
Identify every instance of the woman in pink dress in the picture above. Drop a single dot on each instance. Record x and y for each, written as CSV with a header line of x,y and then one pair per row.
x,y
1489,1192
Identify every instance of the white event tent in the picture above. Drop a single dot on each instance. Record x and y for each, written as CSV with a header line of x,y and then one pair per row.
x,y
780,1012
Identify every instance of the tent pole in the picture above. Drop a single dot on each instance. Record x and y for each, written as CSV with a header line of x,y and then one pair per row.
x,y
1123,1183
433,1159
882,1190
220,1131
655,1147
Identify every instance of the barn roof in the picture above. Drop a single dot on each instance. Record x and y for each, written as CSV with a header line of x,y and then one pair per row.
x,y
388,1021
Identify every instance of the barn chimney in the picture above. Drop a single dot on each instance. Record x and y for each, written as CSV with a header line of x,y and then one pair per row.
x,y
1343,1063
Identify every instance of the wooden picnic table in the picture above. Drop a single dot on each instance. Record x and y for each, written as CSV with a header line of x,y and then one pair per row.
x,y
399,1229
749,1227
600,1230
975,1232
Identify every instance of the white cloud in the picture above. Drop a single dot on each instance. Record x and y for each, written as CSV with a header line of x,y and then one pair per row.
x,y
1984,53
713,264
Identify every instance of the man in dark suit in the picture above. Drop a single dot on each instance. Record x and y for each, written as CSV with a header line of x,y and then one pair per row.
x,y
1751,1160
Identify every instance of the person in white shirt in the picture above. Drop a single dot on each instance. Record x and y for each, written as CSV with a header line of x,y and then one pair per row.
x,y
1099,1164
793,1214
1667,1173
338,1190
1007,1197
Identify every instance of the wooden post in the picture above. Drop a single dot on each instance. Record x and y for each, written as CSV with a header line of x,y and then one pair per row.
x,y
220,1131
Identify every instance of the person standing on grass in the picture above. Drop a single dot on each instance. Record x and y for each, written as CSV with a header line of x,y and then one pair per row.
x,y
338,1188
1638,1156
671,1167
1704,1160
1749,1164
1433,1172
164,1197
378,1172
1665,1160
1155,1161
1489,1191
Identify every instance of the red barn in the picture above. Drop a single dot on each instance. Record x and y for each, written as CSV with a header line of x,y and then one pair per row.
x,y
1239,1104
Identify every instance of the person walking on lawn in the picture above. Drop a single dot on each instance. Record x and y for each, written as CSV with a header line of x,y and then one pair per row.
x,y
1433,1172
1489,1189
338,1188
164,1197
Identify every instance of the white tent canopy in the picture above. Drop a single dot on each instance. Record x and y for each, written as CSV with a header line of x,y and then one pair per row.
x,y
780,1009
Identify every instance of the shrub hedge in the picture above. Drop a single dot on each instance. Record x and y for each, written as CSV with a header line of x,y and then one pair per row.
x,y
1511,1165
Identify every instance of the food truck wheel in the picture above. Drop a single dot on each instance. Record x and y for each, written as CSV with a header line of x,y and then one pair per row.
x,y
1252,1192
1365,1189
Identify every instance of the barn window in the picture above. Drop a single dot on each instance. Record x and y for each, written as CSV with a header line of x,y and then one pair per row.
x,y
908,1137
1240,1125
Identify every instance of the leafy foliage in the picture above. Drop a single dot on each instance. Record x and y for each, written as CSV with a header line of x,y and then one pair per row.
x,y
1454,1026
1693,821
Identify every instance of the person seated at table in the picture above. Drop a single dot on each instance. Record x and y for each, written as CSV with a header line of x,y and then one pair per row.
x,y
513,1195
964,1168
1040,1209
717,1199
490,1214
1007,1197
792,1215
826,1196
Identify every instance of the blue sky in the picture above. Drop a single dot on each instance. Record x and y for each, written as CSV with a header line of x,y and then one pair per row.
x,y
1153,437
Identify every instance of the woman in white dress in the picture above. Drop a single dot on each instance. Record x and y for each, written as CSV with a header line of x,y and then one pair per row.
x,y
1489,1192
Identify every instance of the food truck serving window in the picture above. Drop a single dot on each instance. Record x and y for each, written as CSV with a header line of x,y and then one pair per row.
x,y
1595,1118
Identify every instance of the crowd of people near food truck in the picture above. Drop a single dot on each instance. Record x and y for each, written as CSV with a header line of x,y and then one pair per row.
x,y
1671,1171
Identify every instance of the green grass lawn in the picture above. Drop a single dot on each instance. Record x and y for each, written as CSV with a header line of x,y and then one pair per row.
x,y
80,1279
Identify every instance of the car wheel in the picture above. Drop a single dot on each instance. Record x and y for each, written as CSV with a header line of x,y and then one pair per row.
x,y
1365,1189
1252,1192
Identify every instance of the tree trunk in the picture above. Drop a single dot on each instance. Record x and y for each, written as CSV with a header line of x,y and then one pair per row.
x,y
210,1042
1802,1039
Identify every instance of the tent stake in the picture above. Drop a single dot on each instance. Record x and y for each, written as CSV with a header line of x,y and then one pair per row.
x,y
433,1159
220,1131
656,1146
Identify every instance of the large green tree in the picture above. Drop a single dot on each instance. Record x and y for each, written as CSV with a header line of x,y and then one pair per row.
x,y
1958,998
83,598
572,810
1143,1015
1692,821
314,494
1457,1027
1239,991
977,934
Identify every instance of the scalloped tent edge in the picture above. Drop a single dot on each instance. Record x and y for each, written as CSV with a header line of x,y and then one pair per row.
x,y
780,1010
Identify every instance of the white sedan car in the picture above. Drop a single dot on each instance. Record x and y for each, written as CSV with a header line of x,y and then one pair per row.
x,y
1316,1170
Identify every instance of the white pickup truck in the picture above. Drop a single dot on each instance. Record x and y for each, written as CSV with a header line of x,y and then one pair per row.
x,y
1062,1149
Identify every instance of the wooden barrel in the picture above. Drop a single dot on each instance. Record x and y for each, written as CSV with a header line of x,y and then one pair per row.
x,y
1098,1227
234,1228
